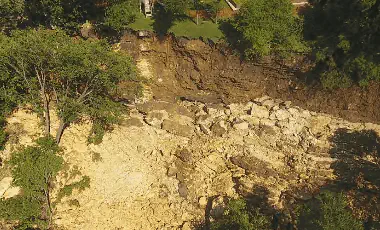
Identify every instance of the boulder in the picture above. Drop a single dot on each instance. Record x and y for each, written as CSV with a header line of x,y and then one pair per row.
x,y
184,154
241,126
202,201
177,129
155,118
133,122
5,184
182,190
259,111
219,128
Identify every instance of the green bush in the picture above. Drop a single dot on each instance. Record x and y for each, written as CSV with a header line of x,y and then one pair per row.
x,y
34,169
238,217
328,211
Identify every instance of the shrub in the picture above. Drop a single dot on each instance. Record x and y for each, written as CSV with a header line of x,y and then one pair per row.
x,y
238,217
328,211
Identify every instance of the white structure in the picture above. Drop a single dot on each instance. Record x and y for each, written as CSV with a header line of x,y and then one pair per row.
x,y
146,7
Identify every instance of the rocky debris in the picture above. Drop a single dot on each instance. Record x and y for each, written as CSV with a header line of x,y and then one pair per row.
x,y
161,167
177,129
184,154
219,128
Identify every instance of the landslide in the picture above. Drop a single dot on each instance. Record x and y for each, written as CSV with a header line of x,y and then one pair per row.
x,y
213,73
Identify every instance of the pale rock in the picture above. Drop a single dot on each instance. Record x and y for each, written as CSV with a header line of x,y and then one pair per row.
x,y
262,99
281,114
259,111
186,226
267,122
241,126
269,103
11,192
205,129
219,128
155,118
202,201
5,184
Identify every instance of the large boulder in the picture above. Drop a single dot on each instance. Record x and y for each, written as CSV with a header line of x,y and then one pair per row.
x,y
177,128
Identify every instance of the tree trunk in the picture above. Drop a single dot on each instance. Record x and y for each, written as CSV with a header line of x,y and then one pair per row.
x,y
47,115
197,18
62,126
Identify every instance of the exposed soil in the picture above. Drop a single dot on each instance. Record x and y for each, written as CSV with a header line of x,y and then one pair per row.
x,y
196,70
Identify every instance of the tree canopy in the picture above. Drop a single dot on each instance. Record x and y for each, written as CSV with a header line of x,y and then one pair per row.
x,y
34,170
345,35
269,27
79,77
121,13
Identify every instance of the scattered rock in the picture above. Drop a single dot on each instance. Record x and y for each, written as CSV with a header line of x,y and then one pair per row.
x,y
184,154
172,171
205,129
182,190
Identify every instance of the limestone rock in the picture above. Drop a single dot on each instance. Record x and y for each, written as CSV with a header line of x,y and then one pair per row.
x,y
182,190
205,129
133,122
241,126
177,129
184,154
219,128
5,184
11,192
155,118
259,111
202,201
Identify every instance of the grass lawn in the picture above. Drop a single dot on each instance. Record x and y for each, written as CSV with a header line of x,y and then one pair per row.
x,y
142,23
205,29
184,28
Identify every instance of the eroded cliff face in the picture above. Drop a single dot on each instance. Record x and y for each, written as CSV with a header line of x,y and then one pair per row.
x,y
210,73
160,168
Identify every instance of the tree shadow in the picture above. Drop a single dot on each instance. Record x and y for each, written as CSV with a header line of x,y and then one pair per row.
x,y
233,37
162,21
357,155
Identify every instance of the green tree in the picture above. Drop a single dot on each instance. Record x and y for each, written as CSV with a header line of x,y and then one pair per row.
x,y
269,27
328,211
79,77
345,36
34,169
10,13
238,217
120,14
177,8
215,7
66,14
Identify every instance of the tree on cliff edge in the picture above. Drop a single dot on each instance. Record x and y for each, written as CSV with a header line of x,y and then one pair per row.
x,y
75,77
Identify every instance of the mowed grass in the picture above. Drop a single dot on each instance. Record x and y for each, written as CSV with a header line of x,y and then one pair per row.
x,y
182,28
205,29
142,23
